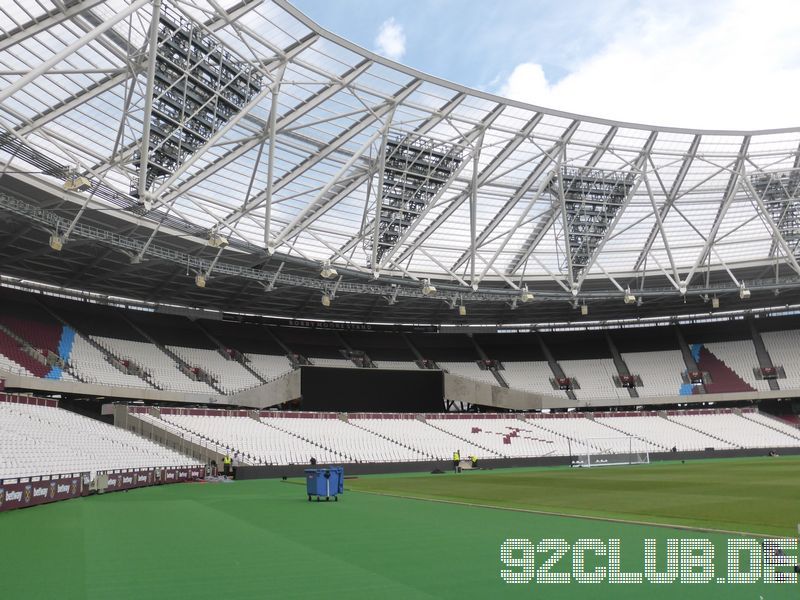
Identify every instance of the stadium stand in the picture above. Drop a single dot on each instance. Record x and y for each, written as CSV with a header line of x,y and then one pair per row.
x,y
351,443
268,366
285,438
63,339
339,363
395,364
230,375
530,377
255,441
659,433
595,378
161,370
507,437
660,371
783,348
44,440
740,357
93,367
730,429
409,430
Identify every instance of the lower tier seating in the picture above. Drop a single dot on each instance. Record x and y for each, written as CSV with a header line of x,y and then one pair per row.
x,y
43,440
294,438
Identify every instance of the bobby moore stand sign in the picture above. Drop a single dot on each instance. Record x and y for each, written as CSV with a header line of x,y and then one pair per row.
x,y
686,560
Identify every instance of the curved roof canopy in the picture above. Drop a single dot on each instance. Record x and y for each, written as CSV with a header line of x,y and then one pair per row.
x,y
245,126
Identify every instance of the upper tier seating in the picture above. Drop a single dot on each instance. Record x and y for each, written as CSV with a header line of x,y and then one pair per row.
x,y
740,356
784,350
725,350
229,375
339,363
595,378
40,440
530,377
396,364
92,366
162,370
660,371
269,367
15,360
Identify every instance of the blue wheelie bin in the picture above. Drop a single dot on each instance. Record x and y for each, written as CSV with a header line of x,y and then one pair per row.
x,y
326,482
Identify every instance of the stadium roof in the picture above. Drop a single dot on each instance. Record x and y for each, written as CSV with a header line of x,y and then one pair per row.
x,y
574,209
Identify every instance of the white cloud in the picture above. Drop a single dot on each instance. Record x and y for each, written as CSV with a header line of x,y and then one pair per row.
x,y
391,40
741,70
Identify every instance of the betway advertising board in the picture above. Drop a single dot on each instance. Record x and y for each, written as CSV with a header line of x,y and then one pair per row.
x,y
31,493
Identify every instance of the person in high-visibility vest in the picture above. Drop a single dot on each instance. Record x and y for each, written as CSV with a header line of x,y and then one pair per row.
x,y
226,465
456,460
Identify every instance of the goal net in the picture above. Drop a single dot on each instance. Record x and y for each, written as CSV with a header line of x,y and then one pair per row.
x,y
601,452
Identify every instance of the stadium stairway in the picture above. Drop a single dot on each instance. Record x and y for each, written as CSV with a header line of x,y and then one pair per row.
x,y
463,439
620,364
558,372
483,356
698,430
690,359
764,358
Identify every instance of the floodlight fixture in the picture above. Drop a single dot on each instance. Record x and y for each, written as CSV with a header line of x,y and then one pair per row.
x,y
57,242
629,297
76,183
200,280
525,295
744,293
428,289
216,240
328,272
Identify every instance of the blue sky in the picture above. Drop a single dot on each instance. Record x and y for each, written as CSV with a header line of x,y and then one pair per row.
x,y
677,62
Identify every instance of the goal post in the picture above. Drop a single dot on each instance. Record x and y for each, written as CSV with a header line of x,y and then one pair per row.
x,y
623,450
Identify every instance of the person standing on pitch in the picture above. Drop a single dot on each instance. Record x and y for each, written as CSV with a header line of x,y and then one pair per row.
x,y
456,460
226,465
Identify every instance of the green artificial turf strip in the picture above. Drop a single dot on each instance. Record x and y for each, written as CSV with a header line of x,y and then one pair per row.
x,y
263,539
760,496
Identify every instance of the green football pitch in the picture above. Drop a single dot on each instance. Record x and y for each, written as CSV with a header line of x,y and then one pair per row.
x,y
402,536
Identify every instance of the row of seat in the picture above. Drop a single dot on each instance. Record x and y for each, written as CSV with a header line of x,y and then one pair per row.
x,y
41,440
362,438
